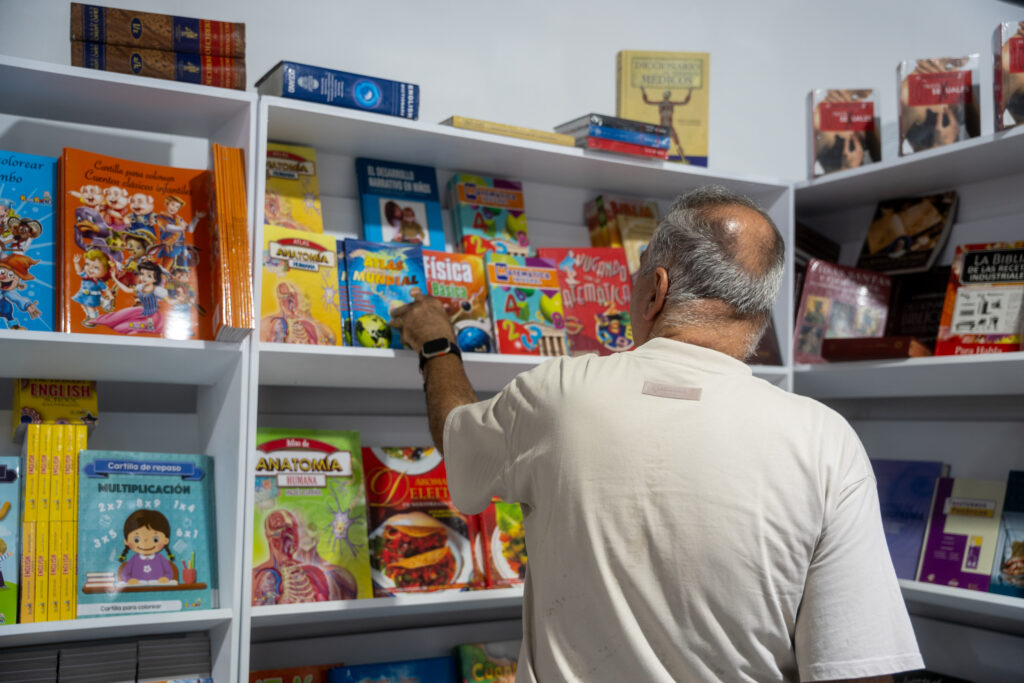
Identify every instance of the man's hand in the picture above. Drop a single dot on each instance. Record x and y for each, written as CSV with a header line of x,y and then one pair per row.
x,y
421,321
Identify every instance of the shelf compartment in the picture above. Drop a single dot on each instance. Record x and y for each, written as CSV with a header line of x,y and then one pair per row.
x,y
288,622
997,374
989,611
60,632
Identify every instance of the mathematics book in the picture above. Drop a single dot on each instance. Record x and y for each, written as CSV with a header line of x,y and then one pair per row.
x,y
838,302
488,214
458,282
670,89
905,491
596,288
982,309
907,235
526,305
309,528
292,199
400,203
381,277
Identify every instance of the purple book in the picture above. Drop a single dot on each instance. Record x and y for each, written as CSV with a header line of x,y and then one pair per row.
x,y
905,489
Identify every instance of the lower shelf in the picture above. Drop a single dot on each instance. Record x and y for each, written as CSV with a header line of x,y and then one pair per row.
x,y
54,632
989,611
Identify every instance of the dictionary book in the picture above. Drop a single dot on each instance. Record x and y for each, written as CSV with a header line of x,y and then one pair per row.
x,y
381,277
341,89
400,203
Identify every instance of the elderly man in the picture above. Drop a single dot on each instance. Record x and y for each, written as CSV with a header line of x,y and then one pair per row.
x,y
685,521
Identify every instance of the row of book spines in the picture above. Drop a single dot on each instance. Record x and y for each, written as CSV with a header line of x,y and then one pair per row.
x,y
233,316
49,565
221,72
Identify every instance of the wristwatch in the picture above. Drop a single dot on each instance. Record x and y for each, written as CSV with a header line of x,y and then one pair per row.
x,y
436,348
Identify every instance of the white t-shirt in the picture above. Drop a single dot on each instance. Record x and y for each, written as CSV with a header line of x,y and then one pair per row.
x,y
684,521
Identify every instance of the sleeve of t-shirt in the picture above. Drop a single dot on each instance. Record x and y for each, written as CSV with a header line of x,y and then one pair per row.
x,y
852,622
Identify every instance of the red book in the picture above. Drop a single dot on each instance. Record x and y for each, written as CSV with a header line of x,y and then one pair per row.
x,y
624,148
503,541
596,287
838,302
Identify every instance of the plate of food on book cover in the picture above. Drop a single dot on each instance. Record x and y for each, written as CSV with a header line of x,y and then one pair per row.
x,y
411,460
508,549
415,551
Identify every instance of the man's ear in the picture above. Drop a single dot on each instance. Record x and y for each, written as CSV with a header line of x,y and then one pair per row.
x,y
656,301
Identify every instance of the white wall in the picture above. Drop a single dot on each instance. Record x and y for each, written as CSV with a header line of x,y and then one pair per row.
x,y
539,63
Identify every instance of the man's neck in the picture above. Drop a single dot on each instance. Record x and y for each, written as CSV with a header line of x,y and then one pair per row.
x,y
733,338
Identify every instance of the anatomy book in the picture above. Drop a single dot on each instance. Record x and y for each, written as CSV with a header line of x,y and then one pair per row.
x,y
292,199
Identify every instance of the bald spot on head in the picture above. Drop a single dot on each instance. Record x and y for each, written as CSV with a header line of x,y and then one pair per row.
x,y
746,235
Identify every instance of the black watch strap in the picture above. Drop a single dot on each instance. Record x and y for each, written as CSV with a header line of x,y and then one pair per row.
x,y
435,348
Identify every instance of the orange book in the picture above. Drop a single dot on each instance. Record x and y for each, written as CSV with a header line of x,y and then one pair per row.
x,y
135,248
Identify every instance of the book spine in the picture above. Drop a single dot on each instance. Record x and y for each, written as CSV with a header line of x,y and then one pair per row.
x,y
511,131
57,472
624,148
26,613
53,580
628,124
42,564
342,89
221,72
631,136
157,31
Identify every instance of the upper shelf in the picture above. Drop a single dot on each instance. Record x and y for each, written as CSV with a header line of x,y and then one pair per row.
x,y
354,133
43,90
997,374
970,161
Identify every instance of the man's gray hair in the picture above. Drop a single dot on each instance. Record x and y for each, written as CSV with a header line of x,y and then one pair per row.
x,y
703,260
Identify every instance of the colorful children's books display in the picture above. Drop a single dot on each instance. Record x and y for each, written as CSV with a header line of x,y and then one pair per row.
x,y
1008,570
907,235
53,401
341,89
488,214
596,288
146,533
299,295
838,302
669,89
1008,80
437,670
845,130
28,242
344,300
381,277
294,674
963,527
135,248
419,541
939,102
905,490
526,305
488,662
621,222
503,542
10,536
309,530
458,282
400,203
292,199
984,300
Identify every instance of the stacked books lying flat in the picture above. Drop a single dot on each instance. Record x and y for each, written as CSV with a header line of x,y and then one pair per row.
x,y
623,136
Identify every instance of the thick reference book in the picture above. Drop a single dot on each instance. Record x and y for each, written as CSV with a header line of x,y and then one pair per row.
x,y
28,242
146,533
221,72
488,214
907,235
292,197
526,304
309,524
400,203
488,662
341,89
167,32
963,527
135,248
381,277
670,89
458,282
984,299
838,302
596,288
905,491
1008,571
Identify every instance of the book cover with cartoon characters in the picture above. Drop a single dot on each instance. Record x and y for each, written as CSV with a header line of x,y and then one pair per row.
x,y
488,214
596,287
309,528
458,282
292,198
299,301
135,248
526,305
146,533
381,277
10,535
28,242
400,203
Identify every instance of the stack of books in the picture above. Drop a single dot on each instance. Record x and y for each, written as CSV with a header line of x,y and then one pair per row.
x,y
233,313
623,136
197,51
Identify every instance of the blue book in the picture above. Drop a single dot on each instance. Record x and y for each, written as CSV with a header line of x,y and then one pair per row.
x,y
341,89
10,535
400,203
631,136
1008,568
905,490
28,244
146,533
436,670
381,277
343,299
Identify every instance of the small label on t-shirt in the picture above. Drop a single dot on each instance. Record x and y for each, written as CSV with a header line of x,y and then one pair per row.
x,y
672,391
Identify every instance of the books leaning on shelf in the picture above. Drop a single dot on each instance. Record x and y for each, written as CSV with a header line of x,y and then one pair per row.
x,y
614,221
916,307
596,131
1008,57
292,198
905,491
939,102
488,662
526,303
341,89
458,282
400,203
11,474
509,131
845,130
53,401
907,235
1008,569
488,214
381,277
230,257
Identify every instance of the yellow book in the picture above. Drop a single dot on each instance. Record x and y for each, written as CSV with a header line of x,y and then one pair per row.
x,y
668,89
510,131
42,565
53,401
53,581
68,569
293,192
26,615
43,470
31,493
57,433
81,437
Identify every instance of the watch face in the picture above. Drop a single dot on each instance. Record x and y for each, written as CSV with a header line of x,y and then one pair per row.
x,y
436,346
